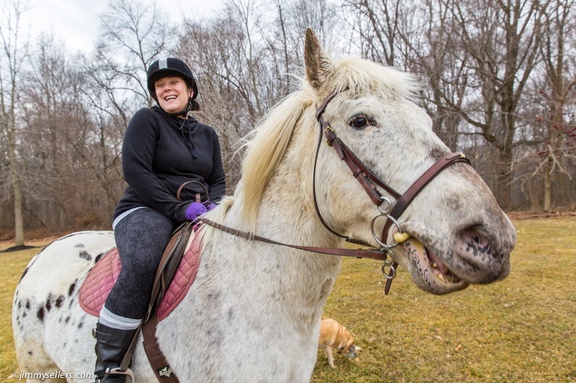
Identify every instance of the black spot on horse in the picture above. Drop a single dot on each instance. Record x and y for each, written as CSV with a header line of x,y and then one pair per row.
x,y
27,304
80,325
72,288
30,352
40,314
59,300
49,302
84,254
98,257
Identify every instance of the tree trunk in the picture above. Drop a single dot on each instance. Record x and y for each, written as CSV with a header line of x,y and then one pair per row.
x,y
548,183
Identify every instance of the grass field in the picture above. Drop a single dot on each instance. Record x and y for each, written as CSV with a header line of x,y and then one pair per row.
x,y
521,330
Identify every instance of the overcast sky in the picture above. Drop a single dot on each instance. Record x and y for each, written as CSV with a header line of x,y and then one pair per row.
x,y
76,21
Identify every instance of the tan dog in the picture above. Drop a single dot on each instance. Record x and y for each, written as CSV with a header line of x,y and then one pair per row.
x,y
333,335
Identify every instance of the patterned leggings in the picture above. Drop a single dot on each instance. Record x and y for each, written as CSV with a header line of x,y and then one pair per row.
x,y
141,238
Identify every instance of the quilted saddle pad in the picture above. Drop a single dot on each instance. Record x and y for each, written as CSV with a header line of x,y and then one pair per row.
x,y
104,274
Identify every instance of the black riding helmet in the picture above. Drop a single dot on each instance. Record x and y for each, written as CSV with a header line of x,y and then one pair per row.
x,y
171,67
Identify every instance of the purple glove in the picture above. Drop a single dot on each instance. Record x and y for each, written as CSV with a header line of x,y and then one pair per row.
x,y
209,205
194,210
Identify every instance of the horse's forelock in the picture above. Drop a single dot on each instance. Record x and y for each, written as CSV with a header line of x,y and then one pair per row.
x,y
363,77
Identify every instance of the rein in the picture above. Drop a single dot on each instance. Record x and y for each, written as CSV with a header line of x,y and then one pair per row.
x,y
357,253
369,182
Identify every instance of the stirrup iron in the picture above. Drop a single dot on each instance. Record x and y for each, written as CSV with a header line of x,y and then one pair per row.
x,y
117,371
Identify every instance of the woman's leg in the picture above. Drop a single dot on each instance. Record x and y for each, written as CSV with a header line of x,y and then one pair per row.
x,y
141,238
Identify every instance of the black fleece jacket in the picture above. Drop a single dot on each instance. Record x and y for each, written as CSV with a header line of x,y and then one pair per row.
x,y
160,153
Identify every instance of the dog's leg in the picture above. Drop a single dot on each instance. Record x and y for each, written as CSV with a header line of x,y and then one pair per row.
x,y
329,356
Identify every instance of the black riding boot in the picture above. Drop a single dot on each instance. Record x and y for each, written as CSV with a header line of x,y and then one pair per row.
x,y
111,346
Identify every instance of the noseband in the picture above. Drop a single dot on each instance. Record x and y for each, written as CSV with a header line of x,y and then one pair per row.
x,y
370,183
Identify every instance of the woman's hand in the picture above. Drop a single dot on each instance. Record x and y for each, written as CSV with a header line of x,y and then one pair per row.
x,y
195,210
209,205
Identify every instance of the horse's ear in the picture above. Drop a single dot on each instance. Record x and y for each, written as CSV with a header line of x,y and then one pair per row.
x,y
318,64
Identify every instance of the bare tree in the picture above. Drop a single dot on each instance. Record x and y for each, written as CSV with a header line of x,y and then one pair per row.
x,y
14,55
376,23
138,33
561,80
430,50
229,93
502,39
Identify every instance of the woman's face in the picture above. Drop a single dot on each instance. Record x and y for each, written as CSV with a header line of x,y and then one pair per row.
x,y
172,94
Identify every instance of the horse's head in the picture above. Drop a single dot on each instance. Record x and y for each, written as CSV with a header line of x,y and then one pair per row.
x,y
457,234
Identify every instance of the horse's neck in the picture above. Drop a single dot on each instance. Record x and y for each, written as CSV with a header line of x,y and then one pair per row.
x,y
287,215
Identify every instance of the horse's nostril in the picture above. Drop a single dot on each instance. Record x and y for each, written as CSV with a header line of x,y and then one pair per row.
x,y
476,243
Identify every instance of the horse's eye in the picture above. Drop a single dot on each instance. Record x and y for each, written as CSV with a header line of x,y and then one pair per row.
x,y
359,122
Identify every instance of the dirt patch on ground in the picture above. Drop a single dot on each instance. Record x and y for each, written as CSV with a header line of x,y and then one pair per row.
x,y
541,214
33,238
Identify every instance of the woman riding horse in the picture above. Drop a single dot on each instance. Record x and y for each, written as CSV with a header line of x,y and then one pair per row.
x,y
164,148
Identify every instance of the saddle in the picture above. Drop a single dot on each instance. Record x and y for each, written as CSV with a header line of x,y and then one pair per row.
x,y
176,273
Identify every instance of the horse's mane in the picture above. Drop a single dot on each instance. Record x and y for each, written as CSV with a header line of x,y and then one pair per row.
x,y
264,151
272,134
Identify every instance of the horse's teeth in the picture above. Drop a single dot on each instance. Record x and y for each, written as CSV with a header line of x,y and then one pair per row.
x,y
434,265
441,276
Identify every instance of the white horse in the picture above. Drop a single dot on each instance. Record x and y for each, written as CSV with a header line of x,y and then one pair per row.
x,y
253,313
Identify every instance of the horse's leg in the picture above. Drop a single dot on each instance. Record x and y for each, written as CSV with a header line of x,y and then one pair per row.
x,y
35,364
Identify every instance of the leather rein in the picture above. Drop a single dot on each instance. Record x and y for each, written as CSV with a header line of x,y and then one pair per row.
x,y
370,183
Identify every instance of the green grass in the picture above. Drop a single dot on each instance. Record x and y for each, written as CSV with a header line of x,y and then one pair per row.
x,y
13,264
520,330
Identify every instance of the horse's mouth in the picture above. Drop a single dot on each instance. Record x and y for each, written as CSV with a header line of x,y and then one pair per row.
x,y
428,270
441,271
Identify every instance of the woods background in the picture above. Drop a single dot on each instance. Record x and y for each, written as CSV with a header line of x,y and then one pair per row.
x,y
498,79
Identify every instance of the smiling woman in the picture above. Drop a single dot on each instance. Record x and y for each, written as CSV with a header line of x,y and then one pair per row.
x,y
173,167
172,94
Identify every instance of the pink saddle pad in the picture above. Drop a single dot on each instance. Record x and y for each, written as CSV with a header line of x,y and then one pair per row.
x,y
104,274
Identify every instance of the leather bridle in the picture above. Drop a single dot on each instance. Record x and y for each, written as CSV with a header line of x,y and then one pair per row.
x,y
370,183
